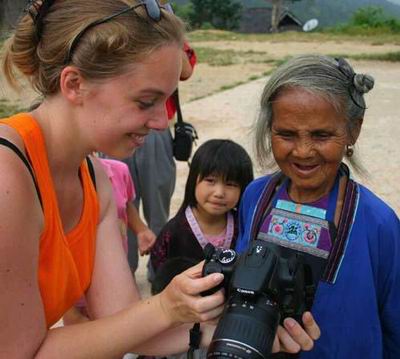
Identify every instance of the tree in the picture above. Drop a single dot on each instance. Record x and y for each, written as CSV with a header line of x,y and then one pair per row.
x,y
221,14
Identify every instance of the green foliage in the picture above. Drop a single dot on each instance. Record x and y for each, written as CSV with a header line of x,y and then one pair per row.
x,y
221,14
370,16
369,20
183,11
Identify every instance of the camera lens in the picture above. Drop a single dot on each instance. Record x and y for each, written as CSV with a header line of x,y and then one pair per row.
x,y
246,330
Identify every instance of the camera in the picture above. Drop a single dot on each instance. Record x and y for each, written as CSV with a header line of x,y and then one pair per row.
x,y
263,286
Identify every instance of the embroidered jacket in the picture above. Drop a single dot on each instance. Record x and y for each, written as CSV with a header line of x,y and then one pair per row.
x,y
359,310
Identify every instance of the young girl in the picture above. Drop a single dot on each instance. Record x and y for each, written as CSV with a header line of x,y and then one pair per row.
x,y
219,173
128,215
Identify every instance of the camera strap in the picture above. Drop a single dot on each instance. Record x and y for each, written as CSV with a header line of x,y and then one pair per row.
x,y
341,217
194,340
175,96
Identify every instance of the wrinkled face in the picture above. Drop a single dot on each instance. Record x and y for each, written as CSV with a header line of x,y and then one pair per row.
x,y
308,142
121,111
216,197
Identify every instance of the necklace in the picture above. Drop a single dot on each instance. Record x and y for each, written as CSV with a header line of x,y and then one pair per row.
x,y
194,225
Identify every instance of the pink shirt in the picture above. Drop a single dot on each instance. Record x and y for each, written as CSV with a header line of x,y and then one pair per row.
x,y
123,188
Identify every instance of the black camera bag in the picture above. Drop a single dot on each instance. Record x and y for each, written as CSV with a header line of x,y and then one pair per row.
x,y
184,134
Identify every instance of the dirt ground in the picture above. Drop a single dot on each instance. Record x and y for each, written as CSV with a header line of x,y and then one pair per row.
x,y
208,79
232,112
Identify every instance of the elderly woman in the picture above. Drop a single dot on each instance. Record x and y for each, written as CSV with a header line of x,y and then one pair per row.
x,y
312,111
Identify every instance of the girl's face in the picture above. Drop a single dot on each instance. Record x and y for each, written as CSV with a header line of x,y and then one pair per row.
x,y
121,111
214,196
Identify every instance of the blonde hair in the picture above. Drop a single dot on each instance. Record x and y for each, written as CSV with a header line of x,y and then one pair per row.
x,y
103,52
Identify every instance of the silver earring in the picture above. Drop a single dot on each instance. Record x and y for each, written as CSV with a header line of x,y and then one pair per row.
x,y
349,150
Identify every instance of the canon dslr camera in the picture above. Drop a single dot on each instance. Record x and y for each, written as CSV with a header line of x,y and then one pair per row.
x,y
263,286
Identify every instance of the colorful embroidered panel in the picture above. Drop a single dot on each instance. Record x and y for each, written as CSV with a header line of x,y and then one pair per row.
x,y
297,231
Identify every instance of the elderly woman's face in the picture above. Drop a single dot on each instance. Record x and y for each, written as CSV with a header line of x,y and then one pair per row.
x,y
308,142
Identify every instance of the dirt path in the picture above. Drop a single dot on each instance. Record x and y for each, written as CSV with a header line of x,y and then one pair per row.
x,y
230,114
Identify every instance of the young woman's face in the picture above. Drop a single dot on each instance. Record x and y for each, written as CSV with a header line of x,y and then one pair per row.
x,y
309,139
214,196
121,111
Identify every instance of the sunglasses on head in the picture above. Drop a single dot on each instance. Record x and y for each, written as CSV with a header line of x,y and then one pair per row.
x,y
153,10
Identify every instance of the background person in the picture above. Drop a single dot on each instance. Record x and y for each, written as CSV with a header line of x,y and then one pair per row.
x,y
312,110
124,194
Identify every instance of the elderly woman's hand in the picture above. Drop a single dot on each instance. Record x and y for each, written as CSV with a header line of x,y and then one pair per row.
x,y
182,302
292,338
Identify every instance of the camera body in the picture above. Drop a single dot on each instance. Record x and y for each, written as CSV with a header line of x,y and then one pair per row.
x,y
263,286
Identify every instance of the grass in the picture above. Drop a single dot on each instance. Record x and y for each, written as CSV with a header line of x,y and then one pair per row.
x,y
215,57
371,36
388,56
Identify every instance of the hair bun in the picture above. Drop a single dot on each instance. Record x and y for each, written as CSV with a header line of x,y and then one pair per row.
x,y
363,83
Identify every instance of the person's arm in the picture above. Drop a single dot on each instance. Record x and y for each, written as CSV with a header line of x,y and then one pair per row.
x,y
23,332
119,326
74,316
23,325
388,290
145,236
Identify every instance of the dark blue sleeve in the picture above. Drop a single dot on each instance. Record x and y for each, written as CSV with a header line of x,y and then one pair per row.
x,y
243,239
389,284
247,208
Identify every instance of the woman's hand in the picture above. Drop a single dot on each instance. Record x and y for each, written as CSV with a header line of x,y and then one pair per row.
x,y
181,300
292,338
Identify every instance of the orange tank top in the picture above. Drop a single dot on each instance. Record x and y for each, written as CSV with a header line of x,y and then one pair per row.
x,y
65,260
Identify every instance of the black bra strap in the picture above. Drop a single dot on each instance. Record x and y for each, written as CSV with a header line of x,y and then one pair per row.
x,y
91,171
14,148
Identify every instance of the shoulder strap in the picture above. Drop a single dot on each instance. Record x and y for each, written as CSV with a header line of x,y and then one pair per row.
x,y
175,96
91,171
264,204
344,227
15,149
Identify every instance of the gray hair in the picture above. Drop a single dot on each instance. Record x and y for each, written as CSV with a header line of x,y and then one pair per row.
x,y
332,79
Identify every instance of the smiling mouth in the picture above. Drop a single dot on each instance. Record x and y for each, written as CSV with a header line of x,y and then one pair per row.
x,y
217,204
305,169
